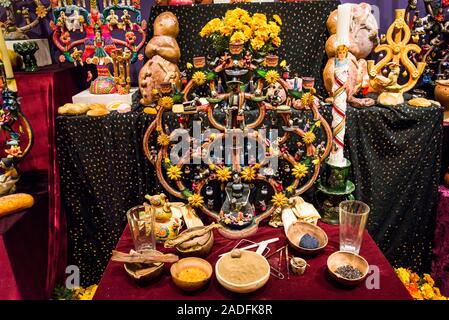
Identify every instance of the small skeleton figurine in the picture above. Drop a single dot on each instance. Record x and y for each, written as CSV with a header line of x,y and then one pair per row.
x,y
25,12
210,204
62,19
126,18
76,56
74,21
153,154
112,19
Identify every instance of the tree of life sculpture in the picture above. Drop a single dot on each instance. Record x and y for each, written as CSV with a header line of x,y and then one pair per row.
x,y
233,94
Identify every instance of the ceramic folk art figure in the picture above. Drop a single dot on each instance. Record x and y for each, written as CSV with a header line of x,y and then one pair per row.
x,y
166,224
22,16
99,29
163,53
397,51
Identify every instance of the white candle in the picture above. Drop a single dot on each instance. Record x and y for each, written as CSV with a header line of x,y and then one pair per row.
x,y
341,75
343,24
7,64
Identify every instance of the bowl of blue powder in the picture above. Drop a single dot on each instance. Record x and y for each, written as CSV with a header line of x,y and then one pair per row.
x,y
306,238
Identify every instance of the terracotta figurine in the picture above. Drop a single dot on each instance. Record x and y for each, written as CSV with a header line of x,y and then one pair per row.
x,y
164,54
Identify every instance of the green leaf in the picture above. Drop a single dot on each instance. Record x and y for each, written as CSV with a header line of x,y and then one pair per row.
x,y
307,161
295,93
210,76
261,73
177,97
186,193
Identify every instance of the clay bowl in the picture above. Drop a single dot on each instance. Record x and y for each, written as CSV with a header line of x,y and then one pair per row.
x,y
191,262
197,247
226,262
141,272
341,258
299,229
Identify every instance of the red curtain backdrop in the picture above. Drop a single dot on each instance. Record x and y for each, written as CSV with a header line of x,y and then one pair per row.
x,y
41,93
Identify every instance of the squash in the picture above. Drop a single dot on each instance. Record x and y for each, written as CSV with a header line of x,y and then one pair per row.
x,y
14,203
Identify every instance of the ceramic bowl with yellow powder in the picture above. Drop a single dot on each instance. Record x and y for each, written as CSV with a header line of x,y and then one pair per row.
x,y
242,271
190,274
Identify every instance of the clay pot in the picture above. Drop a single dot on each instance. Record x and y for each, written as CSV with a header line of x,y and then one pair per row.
x,y
308,83
446,179
199,62
236,48
166,87
442,93
272,60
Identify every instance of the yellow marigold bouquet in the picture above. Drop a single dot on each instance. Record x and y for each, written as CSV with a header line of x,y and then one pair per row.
x,y
419,288
255,32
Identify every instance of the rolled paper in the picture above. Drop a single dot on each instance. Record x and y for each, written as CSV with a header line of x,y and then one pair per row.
x,y
288,218
343,24
11,83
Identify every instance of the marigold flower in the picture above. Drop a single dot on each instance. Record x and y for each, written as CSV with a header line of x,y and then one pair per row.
x,y
279,200
41,11
196,200
272,76
309,137
307,99
163,140
223,174
300,170
165,102
174,172
248,174
199,78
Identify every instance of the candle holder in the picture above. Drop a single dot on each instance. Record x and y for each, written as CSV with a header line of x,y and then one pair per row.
x,y
27,51
334,187
395,63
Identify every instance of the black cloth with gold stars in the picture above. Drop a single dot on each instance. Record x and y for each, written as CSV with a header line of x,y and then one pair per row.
x,y
396,158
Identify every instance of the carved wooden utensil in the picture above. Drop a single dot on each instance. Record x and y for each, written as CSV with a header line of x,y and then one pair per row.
x,y
148,258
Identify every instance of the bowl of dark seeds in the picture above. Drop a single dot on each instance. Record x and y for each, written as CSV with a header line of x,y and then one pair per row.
x,y
347,268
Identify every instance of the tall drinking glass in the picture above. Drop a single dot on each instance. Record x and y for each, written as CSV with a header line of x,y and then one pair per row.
x,y
141,225
353,217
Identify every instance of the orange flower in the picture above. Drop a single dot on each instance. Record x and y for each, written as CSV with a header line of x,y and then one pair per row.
x,y
429,279
413,289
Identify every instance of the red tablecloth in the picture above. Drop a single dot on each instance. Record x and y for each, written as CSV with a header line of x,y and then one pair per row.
x,y
314,284
41,93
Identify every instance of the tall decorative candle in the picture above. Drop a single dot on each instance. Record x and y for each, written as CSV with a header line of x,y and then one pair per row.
x,y
11,83
341,75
